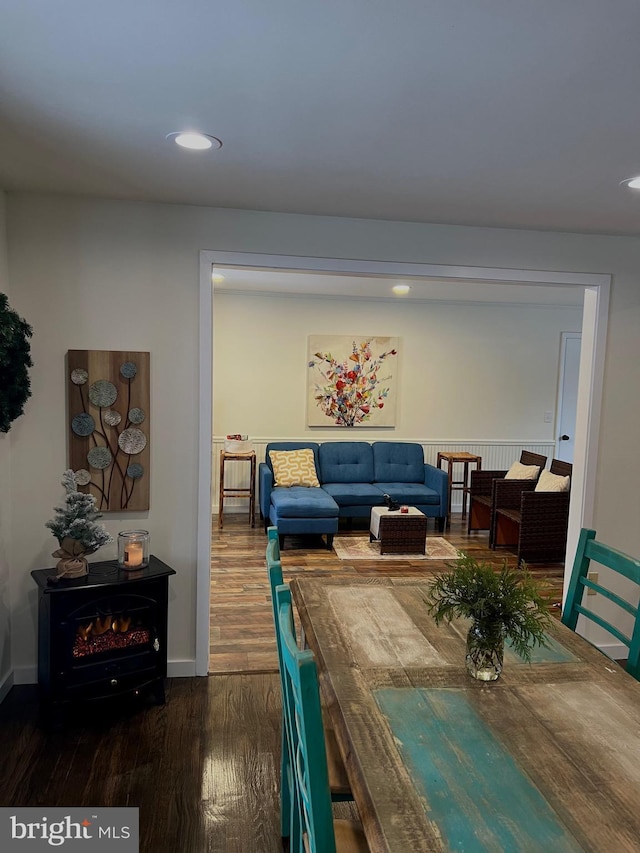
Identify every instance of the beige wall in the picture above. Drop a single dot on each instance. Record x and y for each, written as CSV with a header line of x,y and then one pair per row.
x,y
107,275
465,372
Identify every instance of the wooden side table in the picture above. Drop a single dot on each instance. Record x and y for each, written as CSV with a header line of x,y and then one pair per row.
x,y
459,485
237,492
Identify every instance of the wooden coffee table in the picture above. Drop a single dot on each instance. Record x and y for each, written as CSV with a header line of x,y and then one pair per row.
x,y
399,532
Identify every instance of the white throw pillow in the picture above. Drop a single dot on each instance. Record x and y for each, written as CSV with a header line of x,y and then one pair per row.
x,y
518,471
549,482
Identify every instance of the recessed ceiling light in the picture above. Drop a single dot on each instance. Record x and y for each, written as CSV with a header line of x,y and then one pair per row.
x,y
401,289
633,183
195,141
217,277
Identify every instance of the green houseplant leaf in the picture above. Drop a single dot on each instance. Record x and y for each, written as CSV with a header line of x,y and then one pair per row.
x,y
508,598
15,358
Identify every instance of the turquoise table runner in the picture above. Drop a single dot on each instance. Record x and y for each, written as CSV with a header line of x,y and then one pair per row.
x,y
474,791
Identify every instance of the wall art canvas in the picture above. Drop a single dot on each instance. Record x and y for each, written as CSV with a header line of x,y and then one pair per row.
x,y
108,426
351,381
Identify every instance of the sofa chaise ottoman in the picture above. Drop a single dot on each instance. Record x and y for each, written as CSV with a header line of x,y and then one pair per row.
x,y
350,478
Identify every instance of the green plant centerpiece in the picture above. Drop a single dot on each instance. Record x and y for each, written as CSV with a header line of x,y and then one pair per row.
x,y
15,359
76,529
502,604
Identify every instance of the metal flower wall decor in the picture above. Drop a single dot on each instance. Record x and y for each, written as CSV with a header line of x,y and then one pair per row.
x,y
108,412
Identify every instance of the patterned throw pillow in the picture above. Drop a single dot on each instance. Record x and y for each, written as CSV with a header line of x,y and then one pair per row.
x,y
518,471
549,482
294,467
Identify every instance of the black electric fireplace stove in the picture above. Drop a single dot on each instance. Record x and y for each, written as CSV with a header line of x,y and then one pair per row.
x,y
101,636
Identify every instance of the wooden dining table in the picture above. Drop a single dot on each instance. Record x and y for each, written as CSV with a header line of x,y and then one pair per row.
x,y
546,759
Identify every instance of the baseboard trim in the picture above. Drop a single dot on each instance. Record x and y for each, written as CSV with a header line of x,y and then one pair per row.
x,y
615,651
25,675
181,668
6,683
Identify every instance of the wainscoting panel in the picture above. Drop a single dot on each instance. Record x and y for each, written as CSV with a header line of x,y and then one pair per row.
x,y
496,455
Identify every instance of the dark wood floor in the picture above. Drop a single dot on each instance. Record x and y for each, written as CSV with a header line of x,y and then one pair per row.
x,y
202,769
241,627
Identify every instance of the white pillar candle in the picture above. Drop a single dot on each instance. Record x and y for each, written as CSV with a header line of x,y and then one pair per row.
x,y
133,554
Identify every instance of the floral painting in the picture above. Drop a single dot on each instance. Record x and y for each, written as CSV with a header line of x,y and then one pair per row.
x,y
351,381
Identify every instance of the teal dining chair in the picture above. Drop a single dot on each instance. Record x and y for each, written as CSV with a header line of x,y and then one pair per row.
x,y
313,828
274,572
591,551
338,780
273,545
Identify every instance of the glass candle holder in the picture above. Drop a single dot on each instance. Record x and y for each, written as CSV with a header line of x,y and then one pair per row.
x,y
133,549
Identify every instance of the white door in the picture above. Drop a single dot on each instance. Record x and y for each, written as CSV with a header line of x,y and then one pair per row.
x,y
567,394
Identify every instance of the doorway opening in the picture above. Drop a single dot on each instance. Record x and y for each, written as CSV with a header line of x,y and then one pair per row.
x,y
595,289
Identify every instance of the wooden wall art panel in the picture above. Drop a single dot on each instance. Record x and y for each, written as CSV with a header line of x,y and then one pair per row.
x,y
108,426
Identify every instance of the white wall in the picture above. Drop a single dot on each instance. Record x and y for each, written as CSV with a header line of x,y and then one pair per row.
x,y
107,275
465,372
5,497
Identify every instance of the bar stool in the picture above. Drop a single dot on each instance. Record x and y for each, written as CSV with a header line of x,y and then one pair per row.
x,y
452,457
235,491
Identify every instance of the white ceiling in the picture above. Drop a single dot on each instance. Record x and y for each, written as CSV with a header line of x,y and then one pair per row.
x,y
502,112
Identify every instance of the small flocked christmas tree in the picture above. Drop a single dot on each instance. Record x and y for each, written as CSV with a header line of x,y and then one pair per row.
x,y
76,530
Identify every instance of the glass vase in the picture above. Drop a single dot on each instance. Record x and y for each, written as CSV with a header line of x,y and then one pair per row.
x,y
485,650
133,549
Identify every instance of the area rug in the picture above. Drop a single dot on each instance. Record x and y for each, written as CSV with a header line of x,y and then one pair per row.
x,y
359,548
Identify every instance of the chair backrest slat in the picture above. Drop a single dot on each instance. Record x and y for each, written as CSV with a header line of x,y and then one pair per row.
x,y
272,554
273,544
274,573
629,567
612,596
616,560
615,632
527,457
563,469
303,719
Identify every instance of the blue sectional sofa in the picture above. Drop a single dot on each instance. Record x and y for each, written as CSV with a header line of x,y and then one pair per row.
x,y
354,476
